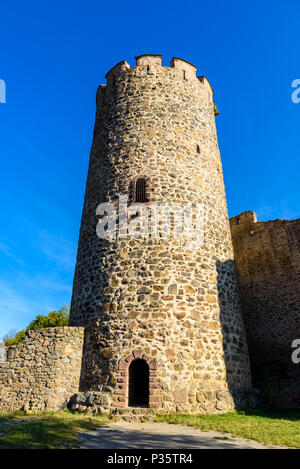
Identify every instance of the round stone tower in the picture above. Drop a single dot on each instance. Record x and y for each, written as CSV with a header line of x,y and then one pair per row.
x,y
161,310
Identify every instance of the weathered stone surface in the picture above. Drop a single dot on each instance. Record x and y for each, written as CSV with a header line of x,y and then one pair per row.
x,y
97,402
180,394
176,303
267,257
43,372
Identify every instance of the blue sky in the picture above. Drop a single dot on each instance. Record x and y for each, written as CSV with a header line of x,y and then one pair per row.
x,y
53,57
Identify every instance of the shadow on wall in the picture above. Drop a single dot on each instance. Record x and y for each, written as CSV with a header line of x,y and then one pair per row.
x,y
271,327
97,372
267,256
236,356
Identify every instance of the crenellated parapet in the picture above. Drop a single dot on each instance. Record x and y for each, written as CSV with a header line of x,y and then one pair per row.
x,y
243,223
246,224
148,62
207,85
187,69
151,65
116,71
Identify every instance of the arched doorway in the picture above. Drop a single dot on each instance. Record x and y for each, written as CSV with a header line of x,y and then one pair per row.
x,y
138,391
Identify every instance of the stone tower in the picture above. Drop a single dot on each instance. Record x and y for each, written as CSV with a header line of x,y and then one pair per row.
x,y
162,316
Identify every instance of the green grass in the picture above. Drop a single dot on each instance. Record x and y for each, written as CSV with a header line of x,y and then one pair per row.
x,y
50,430
280,428
8,416
46,430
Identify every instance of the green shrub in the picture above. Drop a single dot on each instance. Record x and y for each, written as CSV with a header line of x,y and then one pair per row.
x,y
11,339
216,110
54,319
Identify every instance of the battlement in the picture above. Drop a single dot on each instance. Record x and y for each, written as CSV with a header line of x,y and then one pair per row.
x,y
246,223
148,60
151,64
245,218
188,69
206,83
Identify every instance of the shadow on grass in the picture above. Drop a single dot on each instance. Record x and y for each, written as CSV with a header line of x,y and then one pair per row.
x,y
284,414
45,430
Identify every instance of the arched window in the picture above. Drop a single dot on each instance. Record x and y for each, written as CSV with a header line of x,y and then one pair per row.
x,y
140,190
138,391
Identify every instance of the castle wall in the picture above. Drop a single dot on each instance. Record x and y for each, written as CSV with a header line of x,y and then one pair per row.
x,y
43,372
267,256
176,305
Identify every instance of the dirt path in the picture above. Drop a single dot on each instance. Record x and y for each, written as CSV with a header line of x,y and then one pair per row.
x,y
121,435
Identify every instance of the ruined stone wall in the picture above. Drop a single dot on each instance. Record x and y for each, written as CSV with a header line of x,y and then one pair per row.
x,y
267,256
43,372
175,305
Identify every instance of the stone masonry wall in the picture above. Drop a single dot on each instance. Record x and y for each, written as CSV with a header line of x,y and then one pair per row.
x,y
159,297
43,372
267,256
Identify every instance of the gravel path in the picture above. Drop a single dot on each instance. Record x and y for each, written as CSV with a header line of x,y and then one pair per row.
x,y
121,435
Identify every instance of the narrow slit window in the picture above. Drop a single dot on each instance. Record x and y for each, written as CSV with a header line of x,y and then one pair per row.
x,y
148,69
140,191
184,77
198,149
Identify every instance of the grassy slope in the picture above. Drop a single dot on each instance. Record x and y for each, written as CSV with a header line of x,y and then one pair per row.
x,y
47,430
58,429
280,428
